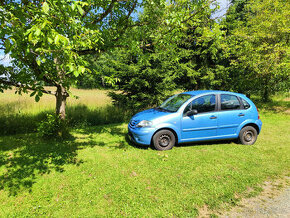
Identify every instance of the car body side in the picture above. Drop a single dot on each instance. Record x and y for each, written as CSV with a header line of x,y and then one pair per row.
x,y
173,121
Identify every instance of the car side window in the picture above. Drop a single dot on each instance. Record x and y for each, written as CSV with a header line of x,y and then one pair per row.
x,y
246,104
202,104
229,102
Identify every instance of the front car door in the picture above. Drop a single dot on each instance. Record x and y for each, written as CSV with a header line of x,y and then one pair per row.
x,y
231,114
203,125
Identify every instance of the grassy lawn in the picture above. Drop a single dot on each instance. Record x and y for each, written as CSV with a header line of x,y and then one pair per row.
x,y
98,172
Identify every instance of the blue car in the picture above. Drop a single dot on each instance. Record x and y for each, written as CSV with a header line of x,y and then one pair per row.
x,y
197,116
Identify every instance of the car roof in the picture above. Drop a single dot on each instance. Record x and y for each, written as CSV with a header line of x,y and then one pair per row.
x,y
200,92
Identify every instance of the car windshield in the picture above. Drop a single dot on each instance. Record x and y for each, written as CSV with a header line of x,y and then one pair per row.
x,y
173,103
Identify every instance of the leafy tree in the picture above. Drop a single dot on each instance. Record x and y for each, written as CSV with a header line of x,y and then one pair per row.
x,y
145,80
259,47
48,41
184,52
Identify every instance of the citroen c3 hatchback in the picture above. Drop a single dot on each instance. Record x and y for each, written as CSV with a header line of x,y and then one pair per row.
x,y
197,116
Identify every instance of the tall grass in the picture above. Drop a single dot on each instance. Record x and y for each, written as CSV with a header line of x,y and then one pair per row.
x,y
21,114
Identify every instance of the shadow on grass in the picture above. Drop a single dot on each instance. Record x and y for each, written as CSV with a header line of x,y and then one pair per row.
x,y
209,142
24,158
111,131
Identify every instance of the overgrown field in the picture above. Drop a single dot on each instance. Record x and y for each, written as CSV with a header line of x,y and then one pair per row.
x,y
98,172
20,114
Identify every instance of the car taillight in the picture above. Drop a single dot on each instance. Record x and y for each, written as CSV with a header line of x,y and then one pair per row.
x,y
258,112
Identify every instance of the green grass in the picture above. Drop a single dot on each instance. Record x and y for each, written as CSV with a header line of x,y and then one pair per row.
x,y
99,173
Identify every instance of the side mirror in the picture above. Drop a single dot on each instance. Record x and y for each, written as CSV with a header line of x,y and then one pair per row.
x,y
191,112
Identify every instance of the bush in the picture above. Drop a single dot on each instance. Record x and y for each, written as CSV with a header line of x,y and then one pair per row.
x,y
53,127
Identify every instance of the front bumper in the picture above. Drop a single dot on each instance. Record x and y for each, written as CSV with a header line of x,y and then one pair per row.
x,y
141,136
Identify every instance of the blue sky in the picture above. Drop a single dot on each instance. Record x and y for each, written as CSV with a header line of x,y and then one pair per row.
x,y
223,8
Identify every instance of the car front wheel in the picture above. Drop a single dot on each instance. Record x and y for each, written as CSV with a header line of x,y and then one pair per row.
x,y
248,135
163,140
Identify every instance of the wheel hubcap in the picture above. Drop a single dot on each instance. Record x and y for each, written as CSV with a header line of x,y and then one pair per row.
x,y
248,136
164,140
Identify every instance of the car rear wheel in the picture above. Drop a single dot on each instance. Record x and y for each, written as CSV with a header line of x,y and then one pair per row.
x,y
163,140
248,135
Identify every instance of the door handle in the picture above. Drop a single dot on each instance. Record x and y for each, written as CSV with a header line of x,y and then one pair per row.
x,y
212,117
241,115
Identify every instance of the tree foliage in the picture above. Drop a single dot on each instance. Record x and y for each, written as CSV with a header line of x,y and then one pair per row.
x,y
259,46
49,39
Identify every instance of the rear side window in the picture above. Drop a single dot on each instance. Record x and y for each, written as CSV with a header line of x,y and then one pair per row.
x,y
245,103
230,102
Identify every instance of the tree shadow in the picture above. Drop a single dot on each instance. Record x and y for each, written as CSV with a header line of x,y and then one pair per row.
x,y
23,158
112,130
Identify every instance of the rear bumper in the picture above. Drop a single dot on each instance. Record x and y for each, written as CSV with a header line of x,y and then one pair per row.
x,y
141,136
259,124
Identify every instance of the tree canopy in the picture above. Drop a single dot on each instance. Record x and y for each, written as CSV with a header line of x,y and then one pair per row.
x,y
146,48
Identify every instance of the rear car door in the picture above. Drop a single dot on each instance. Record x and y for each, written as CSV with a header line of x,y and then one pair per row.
x,y
231,114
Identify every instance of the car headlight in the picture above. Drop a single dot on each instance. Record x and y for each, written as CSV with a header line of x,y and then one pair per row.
x,y
144,123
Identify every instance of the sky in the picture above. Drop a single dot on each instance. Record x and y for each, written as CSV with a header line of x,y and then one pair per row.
x,y
224,4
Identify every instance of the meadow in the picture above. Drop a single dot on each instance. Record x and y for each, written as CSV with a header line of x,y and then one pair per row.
x,y
98,172
21,114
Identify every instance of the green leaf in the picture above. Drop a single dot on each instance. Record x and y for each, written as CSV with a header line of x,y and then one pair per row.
x,y
38,62
50,40
56,39
73,6
37,98
80,9
45,7
76,73
37,32
33,93
30,37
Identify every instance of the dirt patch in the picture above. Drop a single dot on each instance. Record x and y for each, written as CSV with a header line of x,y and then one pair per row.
x,y
272,202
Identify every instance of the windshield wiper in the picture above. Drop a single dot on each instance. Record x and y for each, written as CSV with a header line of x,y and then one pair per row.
x,y
163,109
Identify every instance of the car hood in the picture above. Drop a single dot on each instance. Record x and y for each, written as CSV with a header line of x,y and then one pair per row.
x,y
150,114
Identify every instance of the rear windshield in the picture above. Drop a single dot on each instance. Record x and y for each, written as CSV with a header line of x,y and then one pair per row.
x,y
173,103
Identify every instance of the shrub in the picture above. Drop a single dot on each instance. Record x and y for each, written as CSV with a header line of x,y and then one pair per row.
x,y
53,127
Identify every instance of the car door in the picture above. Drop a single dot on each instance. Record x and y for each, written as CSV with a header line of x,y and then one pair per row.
x,y
231,114
203,125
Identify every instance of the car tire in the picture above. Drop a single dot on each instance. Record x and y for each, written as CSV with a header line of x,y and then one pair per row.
x,y
163,140
248,135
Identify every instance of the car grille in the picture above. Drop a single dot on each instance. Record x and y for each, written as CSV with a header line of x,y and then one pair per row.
x,y
133,123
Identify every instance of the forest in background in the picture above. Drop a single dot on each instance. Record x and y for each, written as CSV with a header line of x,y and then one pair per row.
x,y
246,51
144,49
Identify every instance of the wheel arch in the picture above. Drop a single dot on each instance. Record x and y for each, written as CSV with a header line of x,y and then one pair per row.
x,y
253,125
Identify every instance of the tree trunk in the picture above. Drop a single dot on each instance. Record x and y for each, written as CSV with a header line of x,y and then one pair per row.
x,y
61,95
266,90
266,96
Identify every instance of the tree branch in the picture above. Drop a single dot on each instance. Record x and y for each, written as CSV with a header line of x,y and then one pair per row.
x,y
126,19
103,15
196,12
19,85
